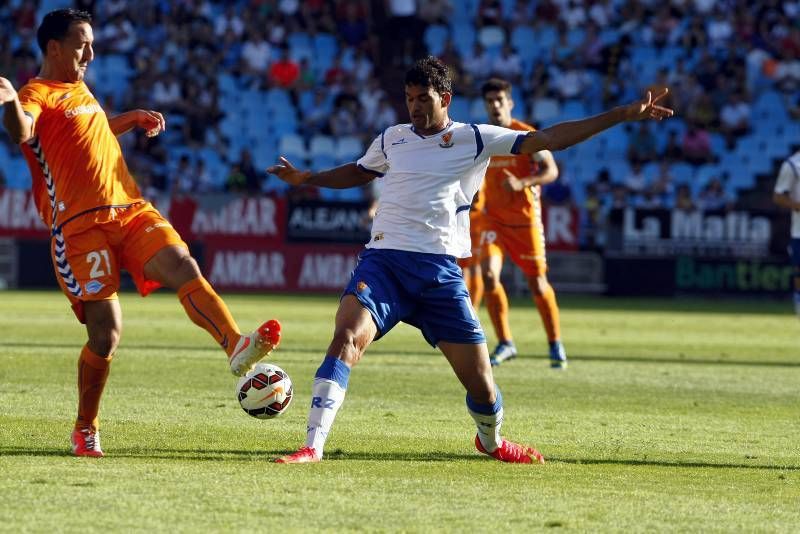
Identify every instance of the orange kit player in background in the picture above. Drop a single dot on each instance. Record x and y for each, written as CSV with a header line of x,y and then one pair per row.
x,y
471,266
512,224
99,221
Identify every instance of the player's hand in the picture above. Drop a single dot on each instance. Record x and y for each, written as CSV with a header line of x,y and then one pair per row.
x,y
289,173
512,183
7,91
647,108
151,121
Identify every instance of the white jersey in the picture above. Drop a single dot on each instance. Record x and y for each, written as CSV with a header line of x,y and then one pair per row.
x,y
429,182
789,182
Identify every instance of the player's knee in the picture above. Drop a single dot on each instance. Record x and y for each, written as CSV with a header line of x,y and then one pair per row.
x,y
538,285
490,280
348,345
104,342
482,391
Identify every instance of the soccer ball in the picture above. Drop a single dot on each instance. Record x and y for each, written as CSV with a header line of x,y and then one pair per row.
x,y
265,392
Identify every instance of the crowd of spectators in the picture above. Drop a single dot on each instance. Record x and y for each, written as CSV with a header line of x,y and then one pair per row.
x,y
563,56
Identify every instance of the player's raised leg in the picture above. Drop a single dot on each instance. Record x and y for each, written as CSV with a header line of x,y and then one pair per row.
x,y
173,266
103,325
485,403
545,298
354,331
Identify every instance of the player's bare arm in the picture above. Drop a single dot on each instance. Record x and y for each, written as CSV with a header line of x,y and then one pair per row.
x,y
566,134
151,121
783,200
18,125
342,177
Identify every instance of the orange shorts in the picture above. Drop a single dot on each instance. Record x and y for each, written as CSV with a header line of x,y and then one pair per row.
x,y
88,261
475,231
523,244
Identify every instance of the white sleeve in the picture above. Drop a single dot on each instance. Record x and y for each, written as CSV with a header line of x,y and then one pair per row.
x,y
497,141
787,176
374,160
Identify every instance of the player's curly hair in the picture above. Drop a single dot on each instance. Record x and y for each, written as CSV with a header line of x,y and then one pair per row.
x,y
55,25
430,72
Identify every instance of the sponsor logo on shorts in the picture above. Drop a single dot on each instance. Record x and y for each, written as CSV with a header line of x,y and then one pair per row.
x,y
94,287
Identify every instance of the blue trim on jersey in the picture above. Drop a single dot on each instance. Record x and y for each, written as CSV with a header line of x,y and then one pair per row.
x,y
462,208
383,134
486,409
334,369
478,141
518,143
376,173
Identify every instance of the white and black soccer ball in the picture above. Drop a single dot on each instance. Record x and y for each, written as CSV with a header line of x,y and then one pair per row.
x,y
265,392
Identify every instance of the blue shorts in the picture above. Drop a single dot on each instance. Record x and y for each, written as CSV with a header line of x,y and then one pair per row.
x,y
794,247
424,290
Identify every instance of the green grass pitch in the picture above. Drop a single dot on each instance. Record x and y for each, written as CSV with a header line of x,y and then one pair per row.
x,y
673,416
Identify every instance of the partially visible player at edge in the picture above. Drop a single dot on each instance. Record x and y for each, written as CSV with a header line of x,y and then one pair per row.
x,y
431,170
787,196
512,224
98,219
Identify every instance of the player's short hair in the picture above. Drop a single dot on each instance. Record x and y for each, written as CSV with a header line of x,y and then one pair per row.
x,y
55,25
493,85
430,72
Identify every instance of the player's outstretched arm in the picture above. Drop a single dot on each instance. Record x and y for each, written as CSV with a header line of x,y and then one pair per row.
x,y
151,121
18,125
342,177
566,134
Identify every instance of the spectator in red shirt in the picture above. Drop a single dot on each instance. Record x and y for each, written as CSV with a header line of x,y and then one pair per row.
x,y
284,72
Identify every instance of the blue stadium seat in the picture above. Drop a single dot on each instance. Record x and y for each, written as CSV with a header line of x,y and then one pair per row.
x,y
477,111
435,37
322,162
322,146
293,147
278,100
492,38
18,176
349,149
524,41
300,46
326,47
459,109
463,37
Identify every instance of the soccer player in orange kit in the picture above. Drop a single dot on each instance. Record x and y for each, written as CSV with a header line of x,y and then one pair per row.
x,y
512,224
98,219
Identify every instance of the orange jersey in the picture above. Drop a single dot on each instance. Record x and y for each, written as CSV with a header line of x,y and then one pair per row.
x,y
74,157
509,207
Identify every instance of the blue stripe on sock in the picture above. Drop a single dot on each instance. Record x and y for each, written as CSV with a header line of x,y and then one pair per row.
x,y
333,368
486,409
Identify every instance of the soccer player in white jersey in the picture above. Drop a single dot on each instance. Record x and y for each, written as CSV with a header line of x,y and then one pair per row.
x,y
787,195
431,169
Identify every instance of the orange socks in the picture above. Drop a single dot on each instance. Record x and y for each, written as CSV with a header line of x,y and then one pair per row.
x,y
548,310
92,376
497,306
208,311
474,283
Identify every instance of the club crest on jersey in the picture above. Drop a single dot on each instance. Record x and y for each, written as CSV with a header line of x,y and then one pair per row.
x,y
447,140
361,286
